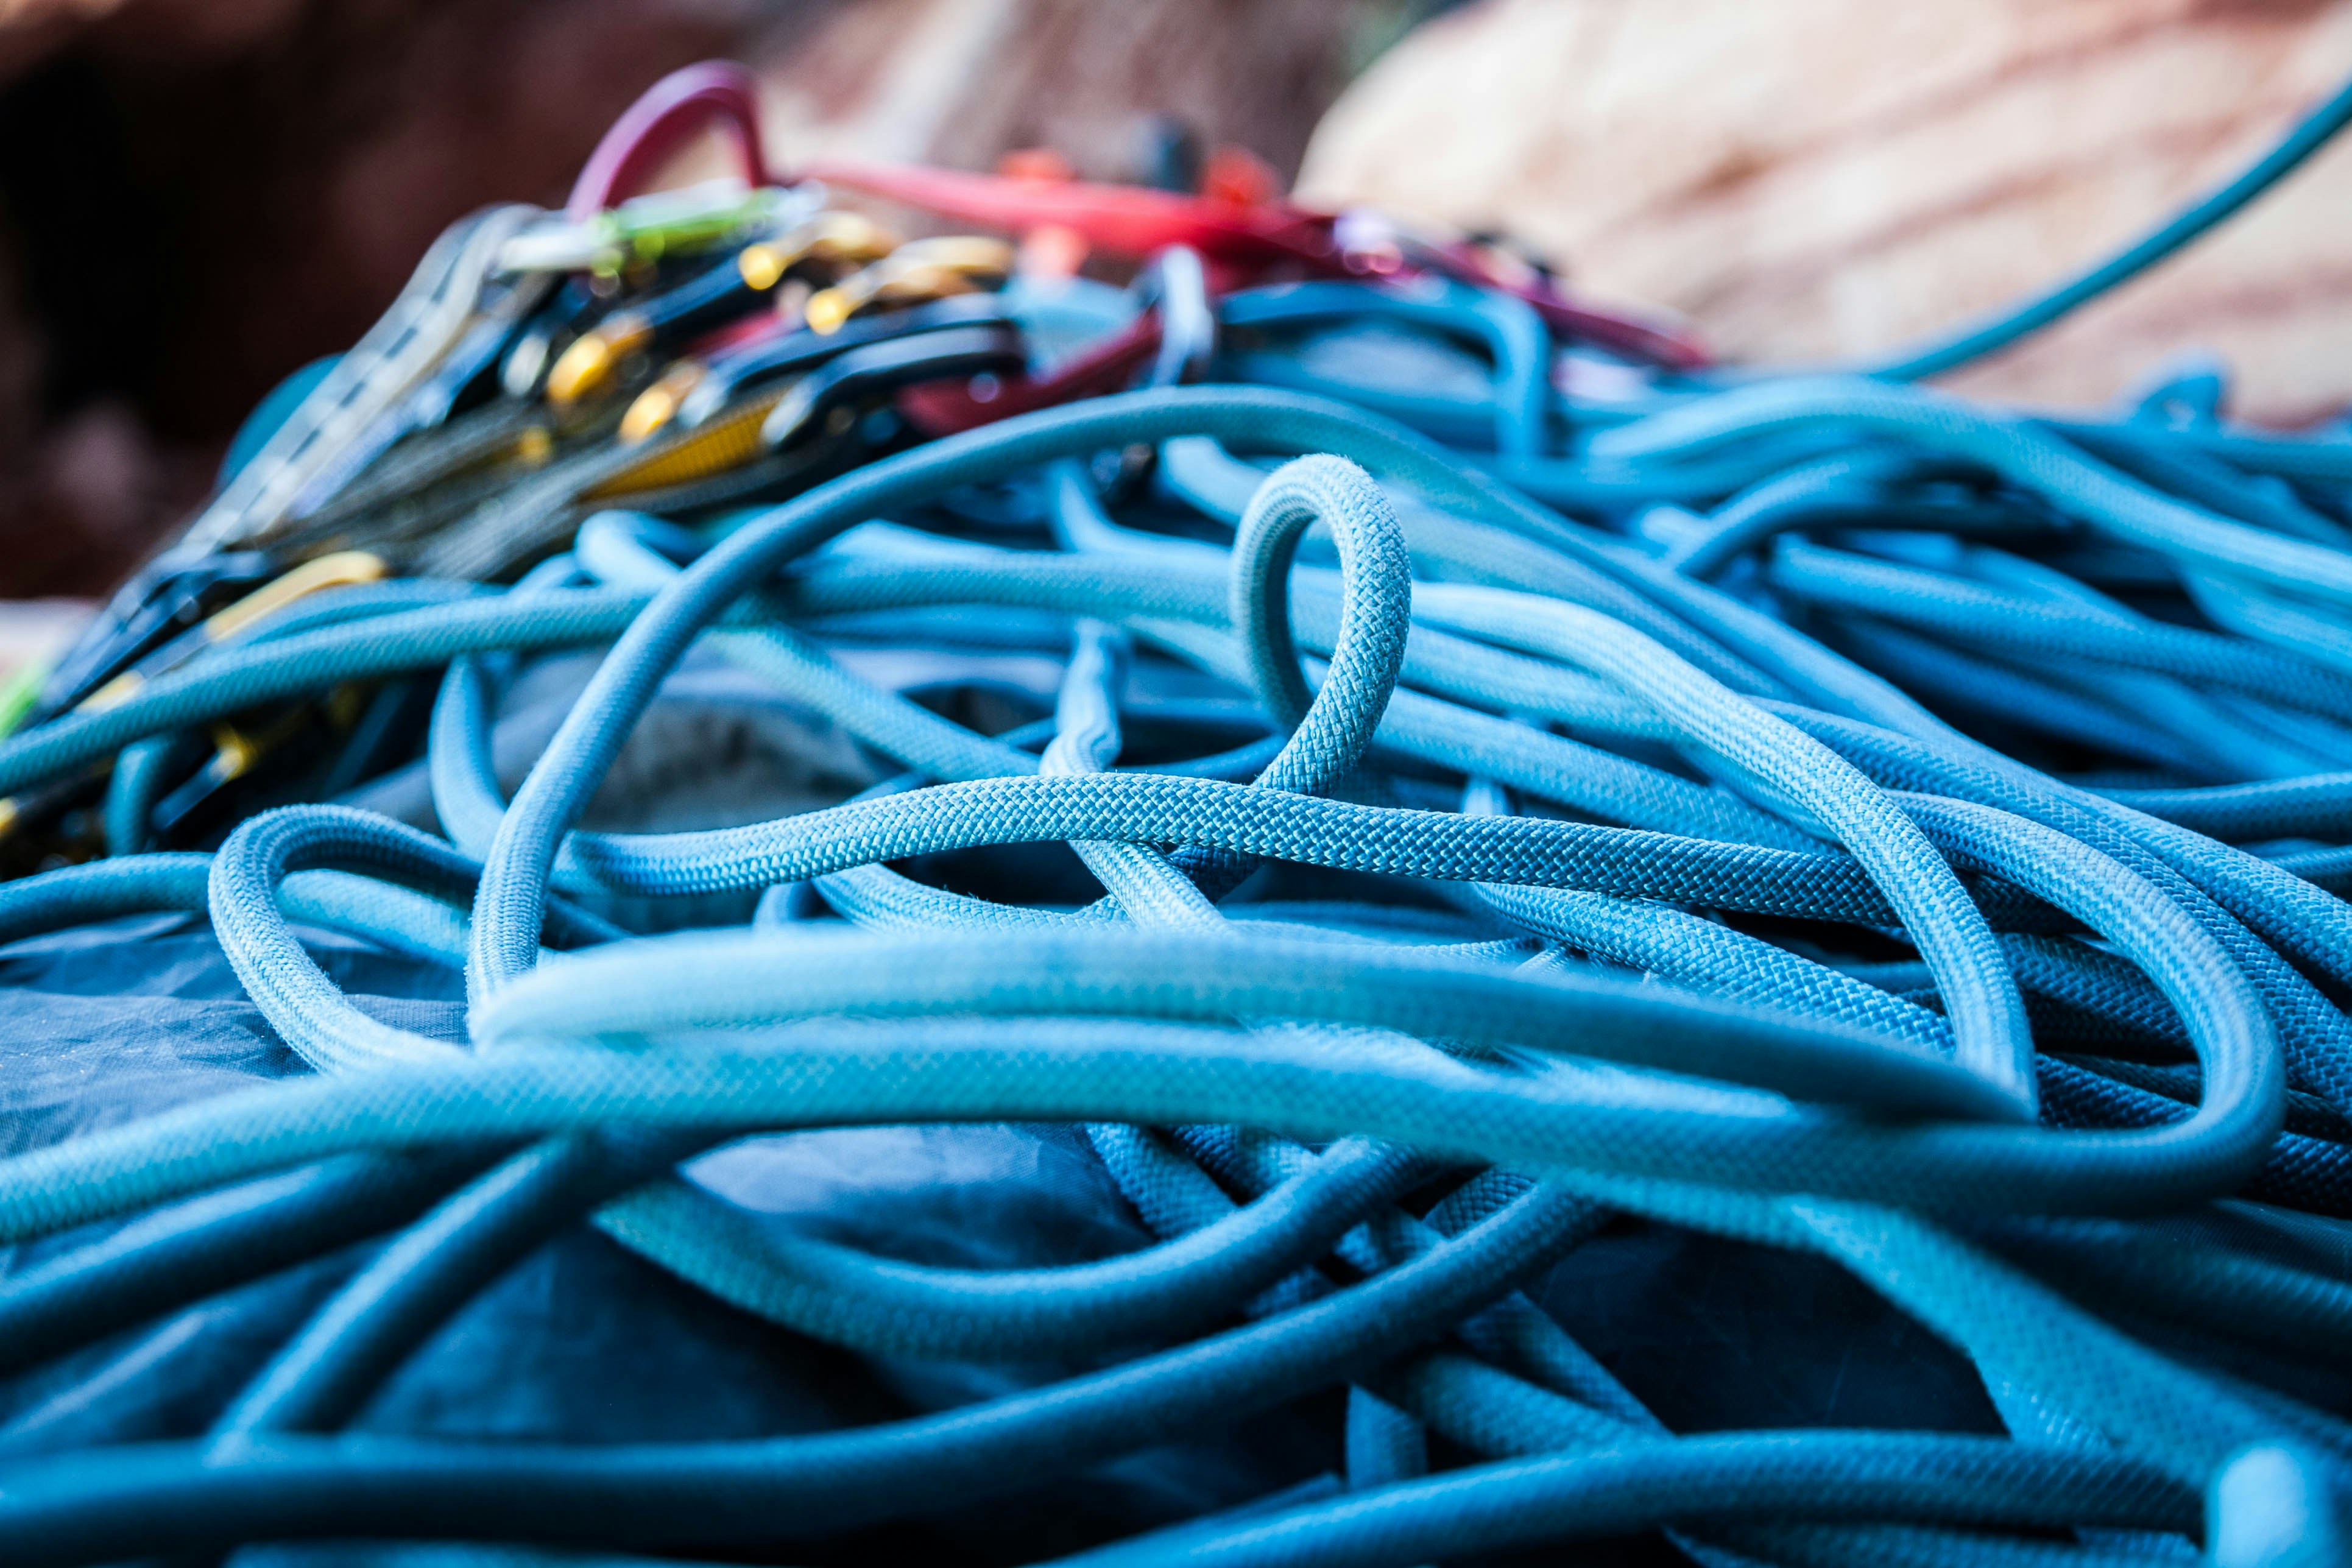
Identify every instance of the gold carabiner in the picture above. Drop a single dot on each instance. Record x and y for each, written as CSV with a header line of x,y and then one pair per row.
x,y
919,270
343,569
835,241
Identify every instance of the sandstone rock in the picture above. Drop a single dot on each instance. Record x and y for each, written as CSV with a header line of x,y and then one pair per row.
x,y
1819,179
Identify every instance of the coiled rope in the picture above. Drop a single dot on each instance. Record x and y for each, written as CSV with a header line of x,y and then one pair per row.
x,y
1919,860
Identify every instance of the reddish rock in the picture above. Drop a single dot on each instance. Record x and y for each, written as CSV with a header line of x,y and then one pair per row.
x,y
1822,179
210,193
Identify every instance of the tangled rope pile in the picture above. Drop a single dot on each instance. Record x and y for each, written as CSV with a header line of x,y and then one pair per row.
x,y
1828,816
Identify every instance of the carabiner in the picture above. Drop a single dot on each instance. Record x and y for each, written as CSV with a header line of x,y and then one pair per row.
x,y
696,390
1129,221
920,270
962,352
665,116
709,301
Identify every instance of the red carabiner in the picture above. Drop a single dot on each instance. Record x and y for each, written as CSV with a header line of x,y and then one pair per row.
x,y
661,121
1239,240
1130,221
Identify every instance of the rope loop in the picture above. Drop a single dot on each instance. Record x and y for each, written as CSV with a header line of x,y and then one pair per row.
x,y
1330,728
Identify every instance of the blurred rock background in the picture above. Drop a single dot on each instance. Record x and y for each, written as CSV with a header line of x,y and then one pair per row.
x,y
197,197
1816,180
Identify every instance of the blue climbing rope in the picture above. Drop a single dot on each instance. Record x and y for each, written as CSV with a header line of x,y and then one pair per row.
x,y
1817,817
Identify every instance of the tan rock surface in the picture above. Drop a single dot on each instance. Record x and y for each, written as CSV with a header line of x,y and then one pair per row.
x,y
1813,179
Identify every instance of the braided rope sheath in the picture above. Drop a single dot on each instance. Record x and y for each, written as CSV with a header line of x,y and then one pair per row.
x,y
1657,910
